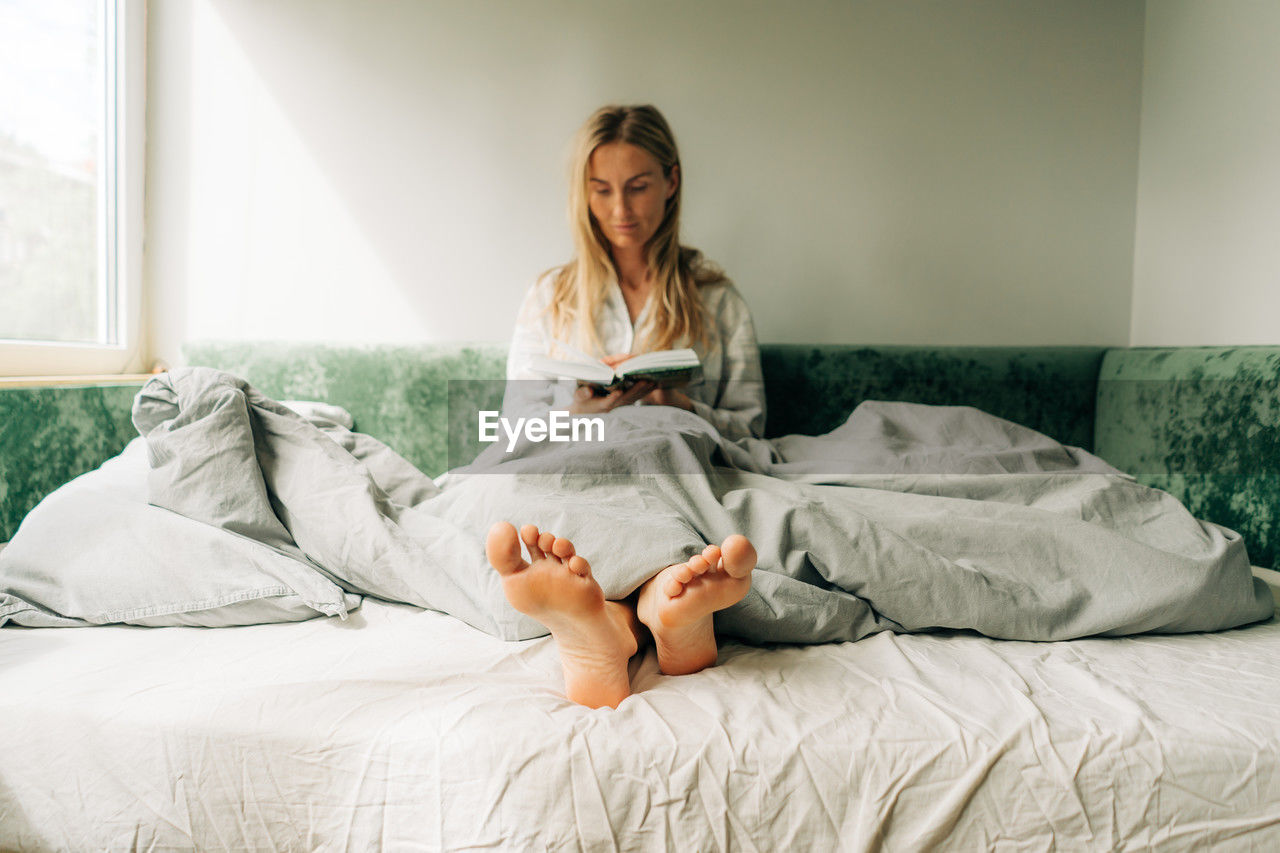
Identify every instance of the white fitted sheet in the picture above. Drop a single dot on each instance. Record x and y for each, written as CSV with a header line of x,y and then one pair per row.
x,y
407,730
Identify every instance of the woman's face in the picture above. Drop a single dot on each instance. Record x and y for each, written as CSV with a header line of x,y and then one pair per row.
x,y
628,193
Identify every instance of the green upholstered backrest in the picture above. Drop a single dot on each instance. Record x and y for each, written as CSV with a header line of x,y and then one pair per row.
x,y
1202,423
50,435
812,389
400,395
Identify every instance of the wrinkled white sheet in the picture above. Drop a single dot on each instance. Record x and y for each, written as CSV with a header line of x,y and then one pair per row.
x,y
407,730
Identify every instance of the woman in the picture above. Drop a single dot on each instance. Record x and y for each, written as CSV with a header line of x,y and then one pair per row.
x,y
631,288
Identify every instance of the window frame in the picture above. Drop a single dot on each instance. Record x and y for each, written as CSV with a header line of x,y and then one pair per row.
x,y
125,146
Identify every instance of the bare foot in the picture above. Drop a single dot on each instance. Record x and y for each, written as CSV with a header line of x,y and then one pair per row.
x,y
595,637
677,603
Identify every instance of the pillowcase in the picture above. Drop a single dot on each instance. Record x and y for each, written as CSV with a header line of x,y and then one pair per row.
x,y
96,552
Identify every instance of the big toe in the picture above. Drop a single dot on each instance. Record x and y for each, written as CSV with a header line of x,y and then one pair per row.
x,y
739,555
502,547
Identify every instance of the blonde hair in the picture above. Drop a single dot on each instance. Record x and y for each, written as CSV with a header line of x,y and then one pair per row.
x,y
578,287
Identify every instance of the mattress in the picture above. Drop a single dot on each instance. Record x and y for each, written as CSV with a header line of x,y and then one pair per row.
x,y
404,729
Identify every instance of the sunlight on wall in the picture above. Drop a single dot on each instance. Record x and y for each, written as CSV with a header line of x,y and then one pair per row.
x,y
271,251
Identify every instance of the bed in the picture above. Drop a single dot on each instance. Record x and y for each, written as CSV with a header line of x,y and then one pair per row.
x,y
400,728
403,729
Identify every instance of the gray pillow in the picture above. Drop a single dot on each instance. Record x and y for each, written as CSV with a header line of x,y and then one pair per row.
x,y
96,552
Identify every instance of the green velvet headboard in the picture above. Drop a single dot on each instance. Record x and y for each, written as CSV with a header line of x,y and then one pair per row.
x,y
398,393
49,435
811,389
1202,423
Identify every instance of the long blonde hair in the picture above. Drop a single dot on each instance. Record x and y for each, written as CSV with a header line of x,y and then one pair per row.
x,y
578,287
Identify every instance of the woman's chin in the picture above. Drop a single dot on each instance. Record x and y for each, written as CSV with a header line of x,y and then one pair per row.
x,y
625,240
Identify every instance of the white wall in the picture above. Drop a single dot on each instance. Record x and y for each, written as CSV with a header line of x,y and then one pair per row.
x,y
878,171
1207,250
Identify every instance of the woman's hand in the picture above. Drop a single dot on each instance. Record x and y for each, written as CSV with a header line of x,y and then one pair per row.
x,y
654,396
585,401
668,397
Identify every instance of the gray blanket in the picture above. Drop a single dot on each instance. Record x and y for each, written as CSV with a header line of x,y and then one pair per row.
x,y
906,518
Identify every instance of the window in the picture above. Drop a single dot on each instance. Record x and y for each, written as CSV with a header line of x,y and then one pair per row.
x,y
70,186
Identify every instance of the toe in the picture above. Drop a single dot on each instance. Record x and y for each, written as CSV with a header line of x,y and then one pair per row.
x,y
579,566
683,572
711,554
502,547
529,533
672,587
739,556
562,548
546,541
698,565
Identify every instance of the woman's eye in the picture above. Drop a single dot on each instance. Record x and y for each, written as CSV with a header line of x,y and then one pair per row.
x,y
639,188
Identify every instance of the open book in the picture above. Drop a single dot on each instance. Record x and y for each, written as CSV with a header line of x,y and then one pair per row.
x,y
668,368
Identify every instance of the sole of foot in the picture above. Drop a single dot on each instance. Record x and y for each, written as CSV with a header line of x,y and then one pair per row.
x,y
678,604
555,587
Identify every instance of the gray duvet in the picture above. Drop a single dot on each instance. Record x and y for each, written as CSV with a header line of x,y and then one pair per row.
x,y
906,518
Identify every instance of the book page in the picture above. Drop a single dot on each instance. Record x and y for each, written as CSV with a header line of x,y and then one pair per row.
x,y
664,359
